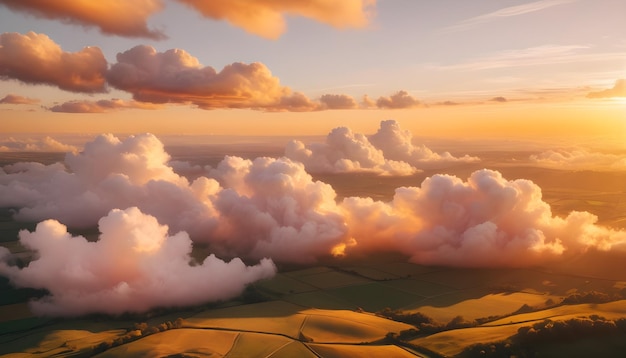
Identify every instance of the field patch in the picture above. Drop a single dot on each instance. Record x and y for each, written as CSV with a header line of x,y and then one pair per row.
x,y
283,285
489,305
373,297
330,279
343,351
270,317
195,342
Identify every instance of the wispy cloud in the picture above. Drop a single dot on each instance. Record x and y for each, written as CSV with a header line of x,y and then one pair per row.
x,y
533,56
504,13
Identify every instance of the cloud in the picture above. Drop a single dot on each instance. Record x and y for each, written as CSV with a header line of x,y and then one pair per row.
x,y
579,159
338,101
134,266
397,144
46,144
618,90
174,76
486,221
503,13
113,17
498,99
253,209
267,18
16,99
36,59
400,99
390,151
344,152
271,207
101,106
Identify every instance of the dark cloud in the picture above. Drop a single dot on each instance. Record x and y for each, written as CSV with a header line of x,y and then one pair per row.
x,y
100,106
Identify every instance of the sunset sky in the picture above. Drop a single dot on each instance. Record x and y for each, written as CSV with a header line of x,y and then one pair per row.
x,y
440,68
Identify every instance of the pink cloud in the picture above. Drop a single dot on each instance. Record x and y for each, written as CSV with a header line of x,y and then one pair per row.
x,y
35,58
16,99
134,266
113,17
484,221
390,151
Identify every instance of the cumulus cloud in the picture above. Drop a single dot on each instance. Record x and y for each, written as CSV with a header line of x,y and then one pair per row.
x,y
484,221
579,159
345,151
338,101
134,266
46,144
618,90
400,99
390,151
16,99
174,76
35,58
113,17
266,207
397,144
101,106
267,18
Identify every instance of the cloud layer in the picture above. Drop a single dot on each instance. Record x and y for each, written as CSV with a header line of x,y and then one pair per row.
x,y
134,266
579,159
265,207
46,144
259,17
254,209
390,151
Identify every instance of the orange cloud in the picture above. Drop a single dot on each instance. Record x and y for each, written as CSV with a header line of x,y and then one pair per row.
x,y
35,58
618,90
115,17
400,99
338,101
16,99
267,18
174,76
105,105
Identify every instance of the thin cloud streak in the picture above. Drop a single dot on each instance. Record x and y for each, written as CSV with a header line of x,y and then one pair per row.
x,y
533,56
504,13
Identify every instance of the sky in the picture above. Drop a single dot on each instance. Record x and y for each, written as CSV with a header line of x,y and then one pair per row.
x,y
440,68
